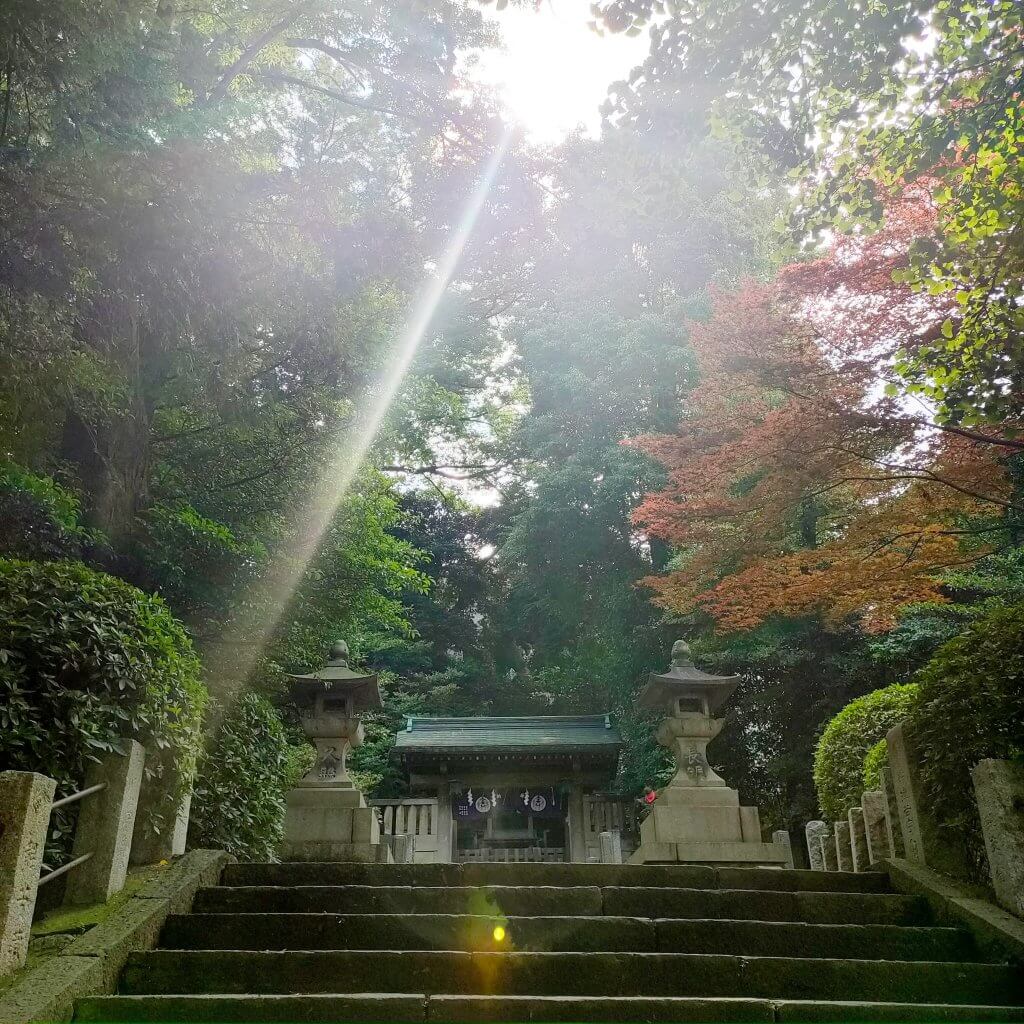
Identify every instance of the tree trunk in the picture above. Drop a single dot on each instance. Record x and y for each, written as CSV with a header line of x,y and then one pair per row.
x,y
110,447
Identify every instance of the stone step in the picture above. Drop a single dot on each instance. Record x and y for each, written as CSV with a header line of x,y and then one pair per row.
x,y
576,901
648,875
171,972
563,934
367,1007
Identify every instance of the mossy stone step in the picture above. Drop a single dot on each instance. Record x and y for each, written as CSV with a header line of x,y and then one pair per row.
x,y
330,1009
492,901
568,875
586,974
568,934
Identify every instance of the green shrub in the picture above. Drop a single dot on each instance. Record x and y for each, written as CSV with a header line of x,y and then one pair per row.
x,y
839,757
244,773
86,658
971,706
875,760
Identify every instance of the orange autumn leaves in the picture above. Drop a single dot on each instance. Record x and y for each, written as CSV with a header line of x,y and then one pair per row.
x,y
797,483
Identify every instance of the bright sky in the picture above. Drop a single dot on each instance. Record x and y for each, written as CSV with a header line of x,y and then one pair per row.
x,y
556,71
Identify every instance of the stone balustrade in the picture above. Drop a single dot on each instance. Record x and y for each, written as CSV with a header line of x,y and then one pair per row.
x,y
106,839
893,822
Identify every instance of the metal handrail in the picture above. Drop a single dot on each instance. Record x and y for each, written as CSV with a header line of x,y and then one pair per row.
x,y
65,800
51,875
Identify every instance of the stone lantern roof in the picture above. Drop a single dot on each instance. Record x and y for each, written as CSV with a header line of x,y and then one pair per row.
x,y
684,679
336,678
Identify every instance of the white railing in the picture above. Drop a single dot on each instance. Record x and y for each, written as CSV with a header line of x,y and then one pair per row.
x,y
411,817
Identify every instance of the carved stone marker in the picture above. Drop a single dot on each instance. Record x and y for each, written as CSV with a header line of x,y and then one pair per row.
x,y
844,852
922,840
858,839
828,851
814,830
999,788
784,839
25,799
892,818
697,818
875,833
326,817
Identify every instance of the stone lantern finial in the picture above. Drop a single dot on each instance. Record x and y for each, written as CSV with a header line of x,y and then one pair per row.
x,y
681,654
339,652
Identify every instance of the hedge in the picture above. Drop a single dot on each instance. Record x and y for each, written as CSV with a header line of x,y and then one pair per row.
x,y
875,760
86,658
971,706
244,773
839,757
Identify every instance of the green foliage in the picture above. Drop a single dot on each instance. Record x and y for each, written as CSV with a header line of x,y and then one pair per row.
x,y
971,706
875,760
39,519
839,758
193,561
248,766
85,659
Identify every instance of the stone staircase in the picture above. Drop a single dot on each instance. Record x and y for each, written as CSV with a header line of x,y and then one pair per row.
x,y
557,942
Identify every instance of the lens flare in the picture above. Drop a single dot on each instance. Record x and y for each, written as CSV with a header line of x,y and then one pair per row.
x,y
499,933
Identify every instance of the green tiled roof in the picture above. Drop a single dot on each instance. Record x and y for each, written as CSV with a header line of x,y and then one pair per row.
x,y
528,733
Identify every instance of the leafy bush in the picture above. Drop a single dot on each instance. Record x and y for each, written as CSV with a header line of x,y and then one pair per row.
x,y
839,758
86,658
971,706
244,773
874,761
38,517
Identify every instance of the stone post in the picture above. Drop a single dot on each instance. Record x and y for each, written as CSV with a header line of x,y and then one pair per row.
x,y
858,839
611,847
577,832
892,818
828,851
922,840
160,782
782,837
814,830
25,799
844,851
999,790
875,832
445,824
106,821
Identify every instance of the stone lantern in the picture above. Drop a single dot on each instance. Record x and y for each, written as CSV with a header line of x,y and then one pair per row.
x,y
327,818
697,817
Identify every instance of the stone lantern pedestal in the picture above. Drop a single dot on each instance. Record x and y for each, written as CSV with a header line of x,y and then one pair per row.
x,y
327,818
697,817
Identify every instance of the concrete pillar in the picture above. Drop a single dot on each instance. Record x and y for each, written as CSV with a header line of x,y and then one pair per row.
x,y
576,828
446,839
858,839
828,851
844,851
814,830
25,799
783,838
892,818
875,832
106,822
161,822
611,847
923,841
999,789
